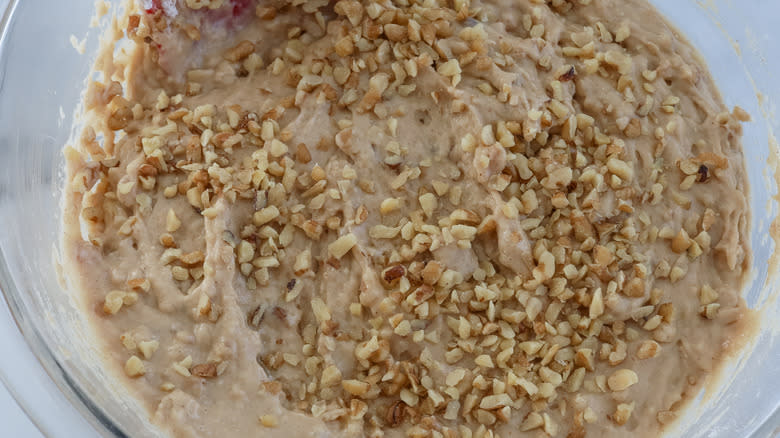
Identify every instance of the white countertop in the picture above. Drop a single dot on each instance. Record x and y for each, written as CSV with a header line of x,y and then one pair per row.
x,y
15,422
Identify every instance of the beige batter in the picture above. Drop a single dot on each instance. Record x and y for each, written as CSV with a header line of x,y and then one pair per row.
x,y
410,218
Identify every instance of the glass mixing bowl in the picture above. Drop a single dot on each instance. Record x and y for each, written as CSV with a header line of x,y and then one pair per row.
x,y
55,372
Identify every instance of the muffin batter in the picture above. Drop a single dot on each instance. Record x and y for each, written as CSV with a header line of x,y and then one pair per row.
x,y
408,218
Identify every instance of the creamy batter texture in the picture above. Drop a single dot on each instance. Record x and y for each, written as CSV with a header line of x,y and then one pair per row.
x,y
407,218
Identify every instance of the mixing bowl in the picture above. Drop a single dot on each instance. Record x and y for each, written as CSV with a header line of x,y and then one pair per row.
x,y
47,358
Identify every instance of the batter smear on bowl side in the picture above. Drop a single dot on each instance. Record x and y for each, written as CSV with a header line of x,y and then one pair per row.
x,y
439,218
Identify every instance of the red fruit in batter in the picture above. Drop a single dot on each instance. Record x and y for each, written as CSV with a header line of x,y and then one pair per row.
x,y
239,6
156,6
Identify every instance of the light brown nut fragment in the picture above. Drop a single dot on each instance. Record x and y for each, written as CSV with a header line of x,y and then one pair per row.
x,y
559,109
707,295
265,12
302,262
170,255
344,46
622,379
550,426
320,309
172,222
647,350
432,272
529,387
531,422
205,370
240,51
681,242
302,154
147,348
653,323
455,376
484,417
420,295
389,205
120,114
278,148
113,302
620,168
463,232
395,414
182,367
269,420
342,245
676,273
708,219
361,214
623,413
204,305
602,256
255,317
192,258
680,199
179,273
589,416
134,367
392,275
559,178
710,311
246,252
622,33
356,309
356,387
596,308
619,60
167,240
484,361
404,328
409,398
635,288
584,358
464,331
666,311
688,182
688,167
331,376
265,215
429,203
351,9
633,129
395,32
575,380
550,376
130,298
545,269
